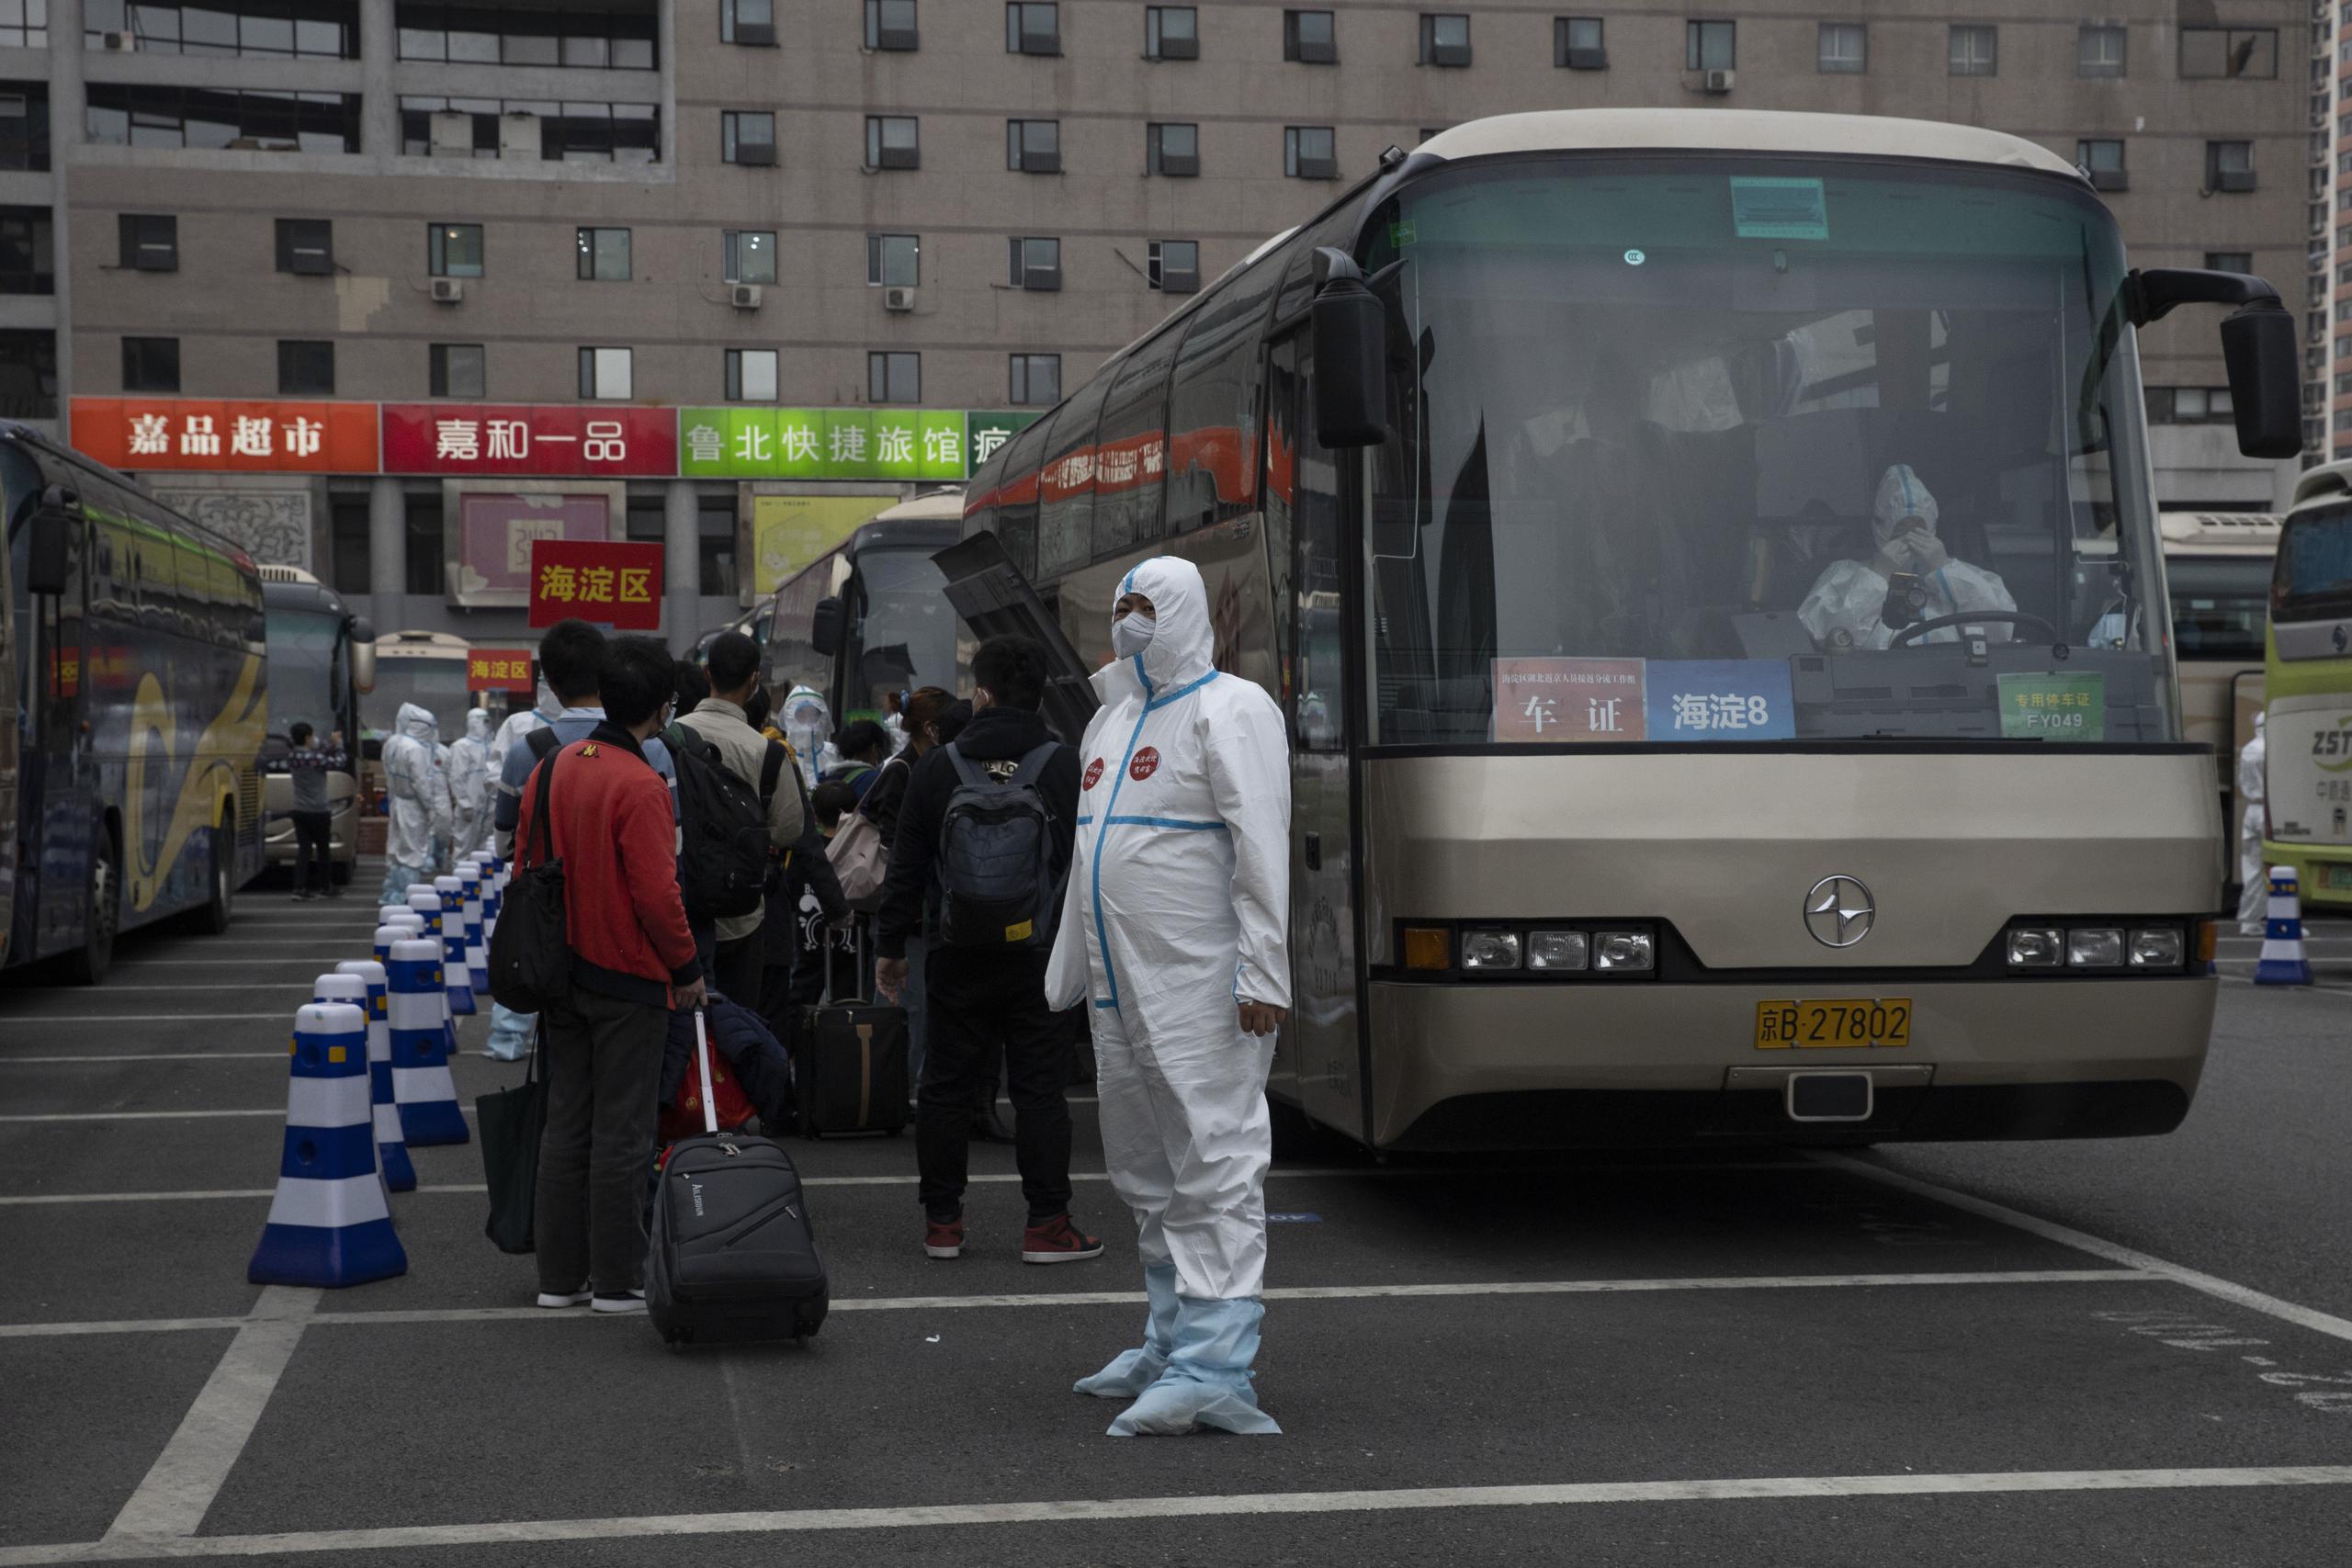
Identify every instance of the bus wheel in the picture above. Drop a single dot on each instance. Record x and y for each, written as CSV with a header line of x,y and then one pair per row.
x,y
213,918
87,964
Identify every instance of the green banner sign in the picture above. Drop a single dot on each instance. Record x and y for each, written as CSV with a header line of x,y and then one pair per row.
x,y
2055,707
838,444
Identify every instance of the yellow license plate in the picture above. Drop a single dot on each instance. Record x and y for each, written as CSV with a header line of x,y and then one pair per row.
x,y
1833,1021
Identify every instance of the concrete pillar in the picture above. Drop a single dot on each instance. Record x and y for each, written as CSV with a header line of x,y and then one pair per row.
x,y
379,109
386,553
68,121
681,564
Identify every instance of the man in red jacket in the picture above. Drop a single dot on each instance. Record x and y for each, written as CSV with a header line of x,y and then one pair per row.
x,y
632,959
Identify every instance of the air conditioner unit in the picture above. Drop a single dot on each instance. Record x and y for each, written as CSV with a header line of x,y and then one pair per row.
x,y
518,135
2234,180
755,154
745,295
898,296
448,291
1716,81
452,135
121,43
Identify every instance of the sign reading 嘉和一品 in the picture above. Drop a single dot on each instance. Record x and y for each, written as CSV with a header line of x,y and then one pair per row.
x,y
840,444
614,584
526,440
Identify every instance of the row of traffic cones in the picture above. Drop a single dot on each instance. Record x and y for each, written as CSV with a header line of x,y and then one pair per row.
x,y
369,1076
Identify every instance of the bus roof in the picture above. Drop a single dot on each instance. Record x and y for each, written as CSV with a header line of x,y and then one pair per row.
x,y
2232,533
292,588
939,505
1740,130
422,645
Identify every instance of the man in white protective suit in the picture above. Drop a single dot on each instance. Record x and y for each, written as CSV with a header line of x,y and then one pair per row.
x,y
1174,928
511,732
2253,875
416,800
470,784
1847,605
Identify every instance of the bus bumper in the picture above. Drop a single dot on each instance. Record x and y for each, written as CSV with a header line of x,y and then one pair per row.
x,y
2323,876
1509,1066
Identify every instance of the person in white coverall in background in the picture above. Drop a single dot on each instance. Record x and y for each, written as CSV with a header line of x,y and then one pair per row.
x,y
416,800
2254,895
513,729
1174,928
1848,608
470,784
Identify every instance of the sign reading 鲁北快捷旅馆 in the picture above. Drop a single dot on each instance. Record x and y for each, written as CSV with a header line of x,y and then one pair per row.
x,y
840,444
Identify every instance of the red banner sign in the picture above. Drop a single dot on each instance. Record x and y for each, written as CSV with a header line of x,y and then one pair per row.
x,y
619,585
563,441
499,670
210,435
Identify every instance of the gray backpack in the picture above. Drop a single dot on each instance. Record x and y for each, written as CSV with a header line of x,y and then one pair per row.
x,y
996,847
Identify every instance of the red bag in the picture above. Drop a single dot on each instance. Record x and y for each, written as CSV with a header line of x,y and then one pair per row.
x,y
684,1119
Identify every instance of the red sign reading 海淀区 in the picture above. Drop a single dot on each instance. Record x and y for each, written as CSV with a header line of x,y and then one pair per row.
x,y
525,439
499,669
619,585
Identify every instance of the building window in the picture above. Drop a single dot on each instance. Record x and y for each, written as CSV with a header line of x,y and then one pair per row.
x,y
1309,152
348,537
1445,39
453,250
2099,51
745,137
608,374
1172,150
1844,49
1031,28
893,142
457,369
1709,46
530,129
1036,380
1576,44
1036,264
748,256
27,374
893,261
306,245
2238,261
305,368
603,255
1173,266
1034,146
750,22
24,126
423,568
255,30
891,25
2188,405
150,364
1311,37
2103,161
608,36
893,377
24,24
751,375
2229,165
124,115
1975,50
2229,51
1172,32
147,241
28,251
715,518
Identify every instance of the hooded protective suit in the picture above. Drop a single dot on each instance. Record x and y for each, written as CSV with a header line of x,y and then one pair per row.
x,y
416,799
1177,909
518,724
470,782
1848,605
2254,897
808,725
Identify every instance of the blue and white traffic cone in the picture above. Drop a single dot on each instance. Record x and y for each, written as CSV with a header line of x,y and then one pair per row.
x,y
329,1225
2282,962
391,1148
454,965
417,1003
492,884
390,932
477,941
352,990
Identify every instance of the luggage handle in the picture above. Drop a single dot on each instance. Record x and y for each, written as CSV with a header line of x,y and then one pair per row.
x,y
856,959
702,1066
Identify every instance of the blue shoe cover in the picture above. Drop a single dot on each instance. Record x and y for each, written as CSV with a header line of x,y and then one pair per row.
x,y
1207,1383
1132,1371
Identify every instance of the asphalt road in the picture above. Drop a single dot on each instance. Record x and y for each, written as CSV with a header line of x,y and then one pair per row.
x,y
2079,1353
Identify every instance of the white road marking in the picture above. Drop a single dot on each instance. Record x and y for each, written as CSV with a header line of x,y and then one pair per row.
x,y
1812,1488
2129,1257
159,1115
172,1501
284,1014
149,1057
110,987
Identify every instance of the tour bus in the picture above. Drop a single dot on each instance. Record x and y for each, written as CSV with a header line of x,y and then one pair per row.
x,y
2217,569
1530,477
2307,691
868,618
322,658
133,696
425,668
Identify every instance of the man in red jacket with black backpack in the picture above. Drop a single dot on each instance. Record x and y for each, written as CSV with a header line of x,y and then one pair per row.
x,y
633,959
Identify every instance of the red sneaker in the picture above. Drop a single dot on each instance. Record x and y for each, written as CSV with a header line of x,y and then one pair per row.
x,y
944,1238
1059,1241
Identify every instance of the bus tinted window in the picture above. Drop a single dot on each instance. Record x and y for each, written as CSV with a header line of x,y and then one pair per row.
x,y
1131,469
1212,412
904,633
2218,604
2312,581
1066,485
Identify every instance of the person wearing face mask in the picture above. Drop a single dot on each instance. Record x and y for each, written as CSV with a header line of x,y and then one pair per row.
x,y
1849,605
470,784
1175,926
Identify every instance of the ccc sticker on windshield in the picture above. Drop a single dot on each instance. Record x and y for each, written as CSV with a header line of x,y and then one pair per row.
x,y
1147,762
1094,772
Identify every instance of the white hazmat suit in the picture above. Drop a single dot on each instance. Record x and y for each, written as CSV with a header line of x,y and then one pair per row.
x,y
518,724
2254,870
1848,605
470,784
1177,911
416,800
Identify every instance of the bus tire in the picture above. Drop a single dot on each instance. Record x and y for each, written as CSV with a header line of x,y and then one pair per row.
x,y
87,964
220,901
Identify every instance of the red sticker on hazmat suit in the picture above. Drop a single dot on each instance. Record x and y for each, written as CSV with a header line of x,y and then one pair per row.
x,y
1147,762
1094,774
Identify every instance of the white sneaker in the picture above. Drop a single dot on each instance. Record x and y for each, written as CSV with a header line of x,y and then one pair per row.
x,y
563,1298
630,1303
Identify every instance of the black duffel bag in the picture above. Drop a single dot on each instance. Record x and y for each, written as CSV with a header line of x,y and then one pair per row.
x,y
530,960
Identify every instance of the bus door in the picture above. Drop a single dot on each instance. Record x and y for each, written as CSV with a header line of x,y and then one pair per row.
x,y
1321,1057
11,654
995,599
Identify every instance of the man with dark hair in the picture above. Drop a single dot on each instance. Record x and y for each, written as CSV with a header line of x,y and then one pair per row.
x,y
632,960
978,989
721,720
308,767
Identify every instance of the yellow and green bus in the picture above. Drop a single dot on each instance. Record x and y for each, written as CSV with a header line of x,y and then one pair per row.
x,y
2307,684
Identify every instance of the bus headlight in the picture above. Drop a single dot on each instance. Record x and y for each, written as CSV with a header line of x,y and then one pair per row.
x,y
1489,950
2155,949
1624,953
2095,947
2037,947
1558,950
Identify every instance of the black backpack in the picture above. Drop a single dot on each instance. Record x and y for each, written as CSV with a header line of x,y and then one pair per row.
x,y
996,846
723,823
530,960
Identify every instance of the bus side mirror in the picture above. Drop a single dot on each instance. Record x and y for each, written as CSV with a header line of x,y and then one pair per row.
x,y
1350,357
49,547
2258,344
363,654
825,627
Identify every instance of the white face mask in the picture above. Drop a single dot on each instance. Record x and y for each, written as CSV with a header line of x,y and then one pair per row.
x,y
1131,634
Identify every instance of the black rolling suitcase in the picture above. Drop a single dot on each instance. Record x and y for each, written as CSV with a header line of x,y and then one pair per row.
x,y
734,1258
850,1075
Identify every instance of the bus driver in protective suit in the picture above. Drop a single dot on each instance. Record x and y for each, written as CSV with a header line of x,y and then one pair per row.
x,y
1848,607
1174,928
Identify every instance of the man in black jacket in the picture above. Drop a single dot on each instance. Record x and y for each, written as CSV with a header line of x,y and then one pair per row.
x,y
979,994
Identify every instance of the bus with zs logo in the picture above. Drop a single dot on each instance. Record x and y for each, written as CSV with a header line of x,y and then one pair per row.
x,y
2307,691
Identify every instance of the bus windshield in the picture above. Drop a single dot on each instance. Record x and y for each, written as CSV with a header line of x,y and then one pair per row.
x,y
437,685
2312,579
306,673
904,634
2219,604
1719,447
